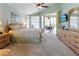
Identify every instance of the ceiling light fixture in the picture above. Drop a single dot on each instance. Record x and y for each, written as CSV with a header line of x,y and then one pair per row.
x,y
39,7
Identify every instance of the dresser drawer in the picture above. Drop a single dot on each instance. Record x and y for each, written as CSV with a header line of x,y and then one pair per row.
x,y
74,43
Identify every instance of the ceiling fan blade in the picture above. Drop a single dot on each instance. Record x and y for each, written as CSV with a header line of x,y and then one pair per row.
x,y
45,6
38,4
42,3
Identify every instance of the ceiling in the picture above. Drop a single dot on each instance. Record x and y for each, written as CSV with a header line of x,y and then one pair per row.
x,y
28,8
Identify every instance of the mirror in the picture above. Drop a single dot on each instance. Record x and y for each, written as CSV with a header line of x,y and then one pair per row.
x,y
74,19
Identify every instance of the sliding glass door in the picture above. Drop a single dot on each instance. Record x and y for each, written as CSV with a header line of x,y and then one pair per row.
x,y
53,24
50,23
47,21
35,22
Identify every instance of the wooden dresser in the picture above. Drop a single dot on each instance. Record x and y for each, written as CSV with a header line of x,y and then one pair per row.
x,y
4,40
70,38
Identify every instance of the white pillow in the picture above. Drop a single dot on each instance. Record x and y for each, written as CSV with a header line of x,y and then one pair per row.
x,y
16,26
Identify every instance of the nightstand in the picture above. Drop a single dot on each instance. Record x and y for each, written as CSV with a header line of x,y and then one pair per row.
x,y
4,40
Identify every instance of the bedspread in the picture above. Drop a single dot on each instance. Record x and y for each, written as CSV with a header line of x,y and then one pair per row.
x,y
25,35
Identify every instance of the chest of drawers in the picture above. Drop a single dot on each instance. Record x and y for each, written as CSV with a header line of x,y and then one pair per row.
x,y
70,38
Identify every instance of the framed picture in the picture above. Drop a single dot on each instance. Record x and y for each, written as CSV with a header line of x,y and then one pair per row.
x,y
14,17
64,18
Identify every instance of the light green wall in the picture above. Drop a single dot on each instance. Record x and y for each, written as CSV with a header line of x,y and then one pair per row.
x,y
67,6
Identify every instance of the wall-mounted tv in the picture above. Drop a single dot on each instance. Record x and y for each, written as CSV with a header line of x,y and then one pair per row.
x,y
64,18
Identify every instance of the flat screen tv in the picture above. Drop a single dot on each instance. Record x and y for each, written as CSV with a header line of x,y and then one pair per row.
x,y
64,18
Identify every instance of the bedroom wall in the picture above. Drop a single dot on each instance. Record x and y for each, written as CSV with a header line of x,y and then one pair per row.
x,y
65,7
5,14
0,9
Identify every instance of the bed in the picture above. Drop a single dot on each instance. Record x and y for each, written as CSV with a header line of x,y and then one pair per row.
x,y
25,35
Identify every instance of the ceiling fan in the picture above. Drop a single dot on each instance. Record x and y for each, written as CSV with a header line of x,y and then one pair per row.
x,y
41,5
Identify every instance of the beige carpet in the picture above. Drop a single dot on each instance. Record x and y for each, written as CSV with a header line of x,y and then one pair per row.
x,y
50,46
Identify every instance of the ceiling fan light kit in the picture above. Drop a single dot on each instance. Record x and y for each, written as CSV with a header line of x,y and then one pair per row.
x,y
41,5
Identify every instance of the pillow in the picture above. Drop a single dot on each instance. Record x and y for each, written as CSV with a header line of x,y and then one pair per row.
x,y
16,26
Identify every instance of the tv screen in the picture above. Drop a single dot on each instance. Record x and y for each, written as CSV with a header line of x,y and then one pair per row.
x,y
64,18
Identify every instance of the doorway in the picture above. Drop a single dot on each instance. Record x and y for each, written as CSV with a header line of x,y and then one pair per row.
x,y
50,24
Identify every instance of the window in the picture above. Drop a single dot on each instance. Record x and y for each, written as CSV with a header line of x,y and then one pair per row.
x,y
42,22
27,22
